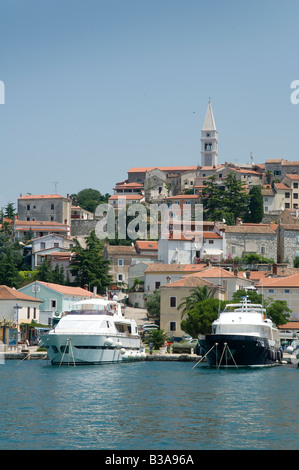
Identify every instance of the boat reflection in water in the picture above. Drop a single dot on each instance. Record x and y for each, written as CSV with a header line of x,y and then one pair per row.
x,y
95,332
242,336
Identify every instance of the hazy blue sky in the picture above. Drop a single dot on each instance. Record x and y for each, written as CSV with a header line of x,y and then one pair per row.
x,y
95,87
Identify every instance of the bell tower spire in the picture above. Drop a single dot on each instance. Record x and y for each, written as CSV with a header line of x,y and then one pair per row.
x,y
209,140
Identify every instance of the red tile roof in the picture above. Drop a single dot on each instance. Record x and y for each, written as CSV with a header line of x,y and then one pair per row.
x,y
163,168
145,245
8,293
126,196
68,290
42,196
286,281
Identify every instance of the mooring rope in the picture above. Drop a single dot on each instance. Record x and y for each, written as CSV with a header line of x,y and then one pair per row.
x,y
204,355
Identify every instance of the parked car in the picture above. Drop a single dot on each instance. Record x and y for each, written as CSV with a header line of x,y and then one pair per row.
x,y
149,326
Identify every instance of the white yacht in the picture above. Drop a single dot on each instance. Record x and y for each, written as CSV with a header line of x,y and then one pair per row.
x,y
242,336
94,332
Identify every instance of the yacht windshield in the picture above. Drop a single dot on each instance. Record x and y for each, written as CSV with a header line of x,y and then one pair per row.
x,y
93,309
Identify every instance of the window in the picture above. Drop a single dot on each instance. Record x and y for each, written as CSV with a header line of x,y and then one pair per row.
x,y
297,240
295,185
266,208
172,301
34,313
287,205
42,245
287,195
56,245
277,172
157,285
28,313
120,262
120,277
172,325
287,291
263,250
53,304
28,207
295,195
265,199
52,207
211,242
271,291
233,247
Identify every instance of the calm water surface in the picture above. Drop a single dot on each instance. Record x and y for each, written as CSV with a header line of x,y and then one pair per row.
x,y
147,405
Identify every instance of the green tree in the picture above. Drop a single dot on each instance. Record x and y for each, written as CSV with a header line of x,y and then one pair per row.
x,y
89,266
227,201
89,199
279,312
9,211
153,304
252,295
45,271
199,321
157,337
9,270
256,205
197,295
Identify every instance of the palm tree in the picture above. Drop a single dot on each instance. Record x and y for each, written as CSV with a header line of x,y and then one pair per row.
x,y
158,337
197,295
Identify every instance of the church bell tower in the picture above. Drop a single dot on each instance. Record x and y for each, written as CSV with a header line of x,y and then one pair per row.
x,y
209,140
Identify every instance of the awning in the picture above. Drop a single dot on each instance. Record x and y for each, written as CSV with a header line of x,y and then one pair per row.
x,y
213,252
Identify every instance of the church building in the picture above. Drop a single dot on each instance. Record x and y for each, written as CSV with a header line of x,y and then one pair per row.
x,y
209,140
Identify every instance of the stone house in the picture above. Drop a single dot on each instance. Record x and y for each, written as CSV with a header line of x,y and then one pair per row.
x,y
278,168
282,288
251,238
77,213
128,188
47,207
156,186
288,243
120,201
45,245
158,274
278,198
121,258
38,228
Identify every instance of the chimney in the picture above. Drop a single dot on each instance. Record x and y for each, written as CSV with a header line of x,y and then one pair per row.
x,y
95,290
274,269
85,286
247,274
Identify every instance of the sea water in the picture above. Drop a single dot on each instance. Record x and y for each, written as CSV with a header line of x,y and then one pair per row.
x,y
147,405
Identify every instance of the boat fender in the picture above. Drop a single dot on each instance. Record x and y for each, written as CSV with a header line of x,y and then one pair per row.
x,y
119,345
122,351
109,343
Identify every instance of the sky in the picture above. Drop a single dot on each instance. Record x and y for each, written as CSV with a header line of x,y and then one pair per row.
x,y
95,87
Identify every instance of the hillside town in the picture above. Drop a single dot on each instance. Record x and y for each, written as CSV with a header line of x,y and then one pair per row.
x,y
232,254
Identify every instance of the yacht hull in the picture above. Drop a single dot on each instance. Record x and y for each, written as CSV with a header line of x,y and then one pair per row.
x,y
83,349
238,351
